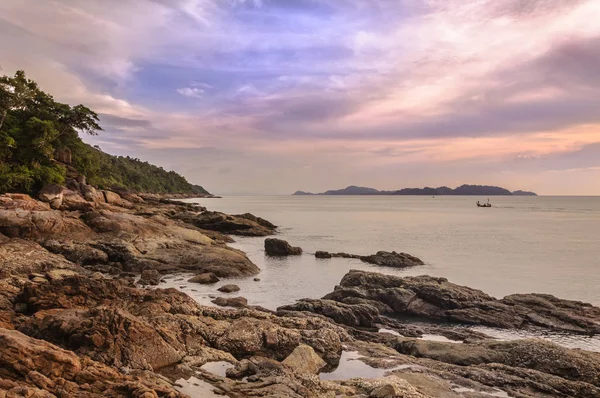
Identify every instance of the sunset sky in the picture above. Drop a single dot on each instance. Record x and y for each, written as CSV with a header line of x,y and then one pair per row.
x,y
272,96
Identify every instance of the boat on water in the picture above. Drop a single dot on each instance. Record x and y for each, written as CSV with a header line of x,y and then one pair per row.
x,y
488,204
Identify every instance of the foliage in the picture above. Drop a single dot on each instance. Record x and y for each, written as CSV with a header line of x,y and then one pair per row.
x,y
33,127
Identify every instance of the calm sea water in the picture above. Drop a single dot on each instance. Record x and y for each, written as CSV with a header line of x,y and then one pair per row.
x,y
521,245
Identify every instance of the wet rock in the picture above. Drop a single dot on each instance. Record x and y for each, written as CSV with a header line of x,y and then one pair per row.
x,y
151,277
393,259
438,299
256,279
322,254
229,288
241,369
279,247
304,360
204,279
244,224
237,302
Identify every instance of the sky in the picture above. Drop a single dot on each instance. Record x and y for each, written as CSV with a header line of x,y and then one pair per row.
x,y
274,96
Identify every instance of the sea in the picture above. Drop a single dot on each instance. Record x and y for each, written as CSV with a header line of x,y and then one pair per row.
x,y
522,244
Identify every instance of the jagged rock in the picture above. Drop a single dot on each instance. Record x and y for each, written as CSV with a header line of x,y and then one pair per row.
x,y
21,257
393,259
229,288
150,277
438,299
52,194
244,224
92,195
36,368
74,201
278,247
204,279
322,254
304,360
237,302
363,315
80,253
12,201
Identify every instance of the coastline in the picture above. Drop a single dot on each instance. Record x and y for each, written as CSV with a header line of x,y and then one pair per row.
x,y
82,312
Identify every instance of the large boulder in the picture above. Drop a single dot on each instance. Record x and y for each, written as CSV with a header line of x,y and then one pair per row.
x,y
91,194
72,200
229,288
393,259
304,360
207,278
52,194
237,302
357,315
279,247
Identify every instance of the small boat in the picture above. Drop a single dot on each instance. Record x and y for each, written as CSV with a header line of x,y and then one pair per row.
x,y
488,204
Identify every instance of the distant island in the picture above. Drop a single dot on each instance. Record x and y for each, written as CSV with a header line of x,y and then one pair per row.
x,y
483,190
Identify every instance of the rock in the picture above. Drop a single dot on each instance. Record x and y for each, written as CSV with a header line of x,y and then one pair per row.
x,y
21,308
278,247
322,254
256,279
36,368
97,275
244,224
151,277
204,279
393,259
92,195
39,280
437,299
59,274
112,198
362,315
52,194
72,200
386,391
229,288
304,360
237,302
82,254
12,201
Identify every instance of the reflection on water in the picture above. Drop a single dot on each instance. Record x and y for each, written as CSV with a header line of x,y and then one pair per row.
x,y
217,368
196,388
352,367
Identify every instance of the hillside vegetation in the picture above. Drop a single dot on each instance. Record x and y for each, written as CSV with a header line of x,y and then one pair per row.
x,y
40,144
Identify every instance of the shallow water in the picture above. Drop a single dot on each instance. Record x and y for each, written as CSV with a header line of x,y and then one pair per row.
x,y
352,367
196,388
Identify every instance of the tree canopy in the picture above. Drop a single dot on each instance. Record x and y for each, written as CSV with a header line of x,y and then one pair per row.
x,y
35,129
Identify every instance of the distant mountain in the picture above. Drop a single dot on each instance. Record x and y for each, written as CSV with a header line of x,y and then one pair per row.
x,y
524,193
302,193
353,190
472,190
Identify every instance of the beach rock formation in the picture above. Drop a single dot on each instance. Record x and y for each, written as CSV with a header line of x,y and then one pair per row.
x,y
241,224
229,288
393,259
279,247
74,323
439,300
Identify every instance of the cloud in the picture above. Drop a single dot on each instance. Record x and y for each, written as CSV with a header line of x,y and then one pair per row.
x,y
374,88
192,92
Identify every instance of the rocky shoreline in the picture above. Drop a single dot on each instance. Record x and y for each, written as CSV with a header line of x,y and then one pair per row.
x,y
83,314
